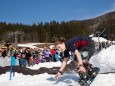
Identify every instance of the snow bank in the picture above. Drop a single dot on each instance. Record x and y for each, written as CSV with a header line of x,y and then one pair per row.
x,y
46,64
105,59
38,80
27,45
100,39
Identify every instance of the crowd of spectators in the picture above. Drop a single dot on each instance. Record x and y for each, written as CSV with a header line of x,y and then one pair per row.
x,y
31,56
27,56
103,45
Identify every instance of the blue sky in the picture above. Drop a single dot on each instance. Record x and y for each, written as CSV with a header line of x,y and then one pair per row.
x,y
34,11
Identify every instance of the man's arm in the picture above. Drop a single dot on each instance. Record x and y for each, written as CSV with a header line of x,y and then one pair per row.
x,y
63,64
80,62
57,76
78,55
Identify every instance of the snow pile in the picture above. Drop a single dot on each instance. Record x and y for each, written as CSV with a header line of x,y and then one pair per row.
x,y
99,39
33,45
105,59
27,45
46,64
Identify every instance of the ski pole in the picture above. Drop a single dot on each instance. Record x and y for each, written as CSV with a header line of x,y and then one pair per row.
x,y
11,68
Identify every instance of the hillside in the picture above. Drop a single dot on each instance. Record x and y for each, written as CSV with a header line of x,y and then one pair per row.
x,y
101,22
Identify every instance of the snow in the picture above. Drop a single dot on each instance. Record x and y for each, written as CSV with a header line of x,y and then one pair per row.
x,y
36,80
27,45
100,39
91,35
46,64
104,80
104,59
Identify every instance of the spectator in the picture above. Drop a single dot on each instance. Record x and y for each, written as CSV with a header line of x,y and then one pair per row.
x,y
41,57
52,53
28,55
37,60
56,56
23,61
45,48
11,53
35,52
31,61
3,49
47,55
0,54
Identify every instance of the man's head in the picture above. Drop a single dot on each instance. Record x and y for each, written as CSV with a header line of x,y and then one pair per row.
x,y
60,44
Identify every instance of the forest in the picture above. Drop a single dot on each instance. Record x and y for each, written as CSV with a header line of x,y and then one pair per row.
x,y
50,31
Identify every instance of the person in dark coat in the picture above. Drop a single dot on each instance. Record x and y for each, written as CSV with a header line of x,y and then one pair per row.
x,y
82,47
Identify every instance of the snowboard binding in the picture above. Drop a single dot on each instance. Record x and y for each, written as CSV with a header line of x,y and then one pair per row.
x,y
87,77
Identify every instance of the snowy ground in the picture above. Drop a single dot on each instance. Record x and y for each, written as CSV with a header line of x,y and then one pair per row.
x,y
45,79
105,60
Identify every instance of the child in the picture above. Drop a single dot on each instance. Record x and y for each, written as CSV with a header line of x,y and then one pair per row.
x,y
82,47
23,61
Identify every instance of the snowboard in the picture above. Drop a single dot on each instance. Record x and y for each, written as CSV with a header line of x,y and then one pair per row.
x,y
90,77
